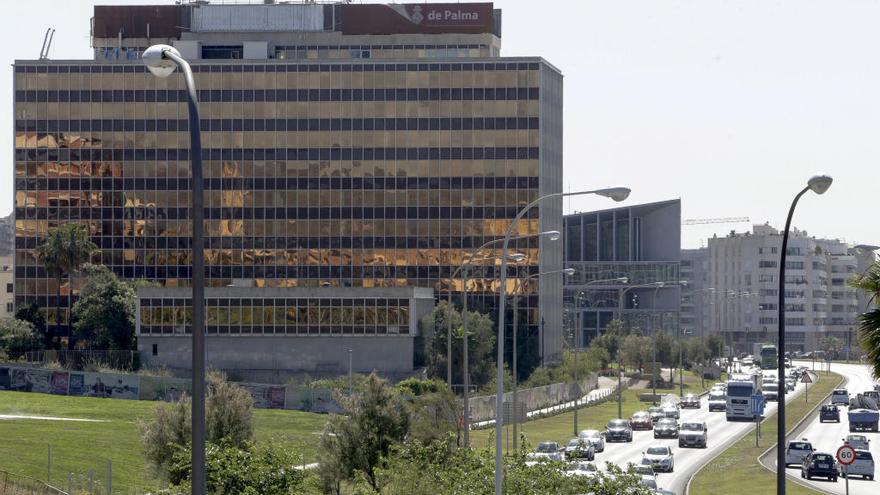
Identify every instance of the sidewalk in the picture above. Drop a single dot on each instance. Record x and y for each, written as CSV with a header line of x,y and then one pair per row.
x,y
607,386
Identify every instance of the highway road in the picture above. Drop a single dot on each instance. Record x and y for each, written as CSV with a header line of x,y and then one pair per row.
x,y
687,460
826,437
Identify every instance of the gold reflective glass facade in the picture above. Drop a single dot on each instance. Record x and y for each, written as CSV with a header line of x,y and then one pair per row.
x,y
342,174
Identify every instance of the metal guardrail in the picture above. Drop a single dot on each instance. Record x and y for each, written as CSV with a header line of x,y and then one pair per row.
x,y
17,484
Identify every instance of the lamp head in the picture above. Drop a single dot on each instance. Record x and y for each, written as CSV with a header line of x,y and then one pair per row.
x,y
615,193
819,183
155,60
568,271
552,234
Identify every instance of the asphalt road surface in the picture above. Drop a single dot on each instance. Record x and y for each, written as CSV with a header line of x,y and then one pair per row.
x,y
826,437
686,460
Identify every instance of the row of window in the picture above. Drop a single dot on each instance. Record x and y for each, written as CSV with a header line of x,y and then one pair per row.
x,y
324,154
278,329
299,125
379,47
245,213
277,95
139,67
293,302
279,183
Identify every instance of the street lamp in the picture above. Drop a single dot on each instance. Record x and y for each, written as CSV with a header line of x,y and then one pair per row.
x,y
552,235
615,193
818,184
620,319
520,282
161,60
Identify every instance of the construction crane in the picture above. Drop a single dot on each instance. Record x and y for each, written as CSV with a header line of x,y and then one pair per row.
x,y
702,221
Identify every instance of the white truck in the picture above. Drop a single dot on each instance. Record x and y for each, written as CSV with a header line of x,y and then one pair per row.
x,y
740,389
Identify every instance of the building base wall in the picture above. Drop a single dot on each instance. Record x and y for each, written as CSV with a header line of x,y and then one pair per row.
x,y
320,355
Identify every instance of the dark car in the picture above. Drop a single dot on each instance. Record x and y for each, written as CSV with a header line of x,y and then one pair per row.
x,y
829,412
656,413
619,430
666,428
819,464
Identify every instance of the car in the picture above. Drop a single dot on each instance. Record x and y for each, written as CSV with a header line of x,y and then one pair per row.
x,y
579,448
545,451
840,396
643,470
656,413
796,451
693,433
666,428
659,457
585,469
651,483
690,401
862,465
671,411
717,401
771,392
641,420
819,464
829,412
619,430
790,385
595,437
858,442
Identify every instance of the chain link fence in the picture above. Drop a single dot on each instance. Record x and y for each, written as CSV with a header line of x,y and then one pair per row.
x,y
16,484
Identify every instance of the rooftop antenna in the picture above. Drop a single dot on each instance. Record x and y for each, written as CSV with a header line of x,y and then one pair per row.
x,y
43,48
49,45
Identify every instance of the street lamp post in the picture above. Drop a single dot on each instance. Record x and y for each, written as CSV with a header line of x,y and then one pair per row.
x,y
615,193
818,184
161,60
619,361
465,365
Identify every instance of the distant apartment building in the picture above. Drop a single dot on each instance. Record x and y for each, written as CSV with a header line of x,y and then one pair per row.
x,y
641,243
360,151
735,282
7,297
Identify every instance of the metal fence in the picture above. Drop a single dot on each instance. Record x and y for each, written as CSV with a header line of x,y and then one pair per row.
x,y
16,484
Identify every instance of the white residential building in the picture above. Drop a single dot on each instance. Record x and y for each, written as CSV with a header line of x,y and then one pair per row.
x,y
734,288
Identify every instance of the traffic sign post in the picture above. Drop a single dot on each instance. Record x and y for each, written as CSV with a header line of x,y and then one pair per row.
x,y
806,380
846,455
757,412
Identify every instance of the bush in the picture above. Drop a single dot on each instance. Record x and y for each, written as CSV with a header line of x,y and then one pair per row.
x,y
245,470
228,421
18,337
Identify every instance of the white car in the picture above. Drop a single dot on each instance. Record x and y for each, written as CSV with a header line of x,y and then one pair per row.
x,y
595,437
840,396
796,452
586,469
643,470
671,411
717,401
659,457
695,434
546,451
858,442
862,466
649,482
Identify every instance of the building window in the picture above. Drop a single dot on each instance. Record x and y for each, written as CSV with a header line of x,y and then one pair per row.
x,y
155,349
9,288
9,307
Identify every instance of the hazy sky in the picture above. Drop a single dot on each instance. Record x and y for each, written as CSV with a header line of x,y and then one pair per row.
x,y
728,105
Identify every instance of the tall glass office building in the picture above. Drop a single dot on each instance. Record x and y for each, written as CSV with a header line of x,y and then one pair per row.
x,y
346,148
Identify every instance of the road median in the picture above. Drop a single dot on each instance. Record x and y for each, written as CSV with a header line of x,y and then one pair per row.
x,y
737,470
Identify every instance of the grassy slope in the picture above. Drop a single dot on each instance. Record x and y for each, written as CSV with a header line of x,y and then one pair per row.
x,y
737,469
560,428
79,447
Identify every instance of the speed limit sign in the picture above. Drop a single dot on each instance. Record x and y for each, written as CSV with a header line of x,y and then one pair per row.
x,y
846,455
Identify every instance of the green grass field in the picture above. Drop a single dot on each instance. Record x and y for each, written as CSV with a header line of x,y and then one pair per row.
x,y
560,428
79,447
737,470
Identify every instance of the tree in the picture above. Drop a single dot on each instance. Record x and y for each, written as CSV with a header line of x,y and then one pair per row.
x,y
610,338
481,344
228,422
104,314
63,252
31,313
831,345
18,337
636,350
356,442
869,321
433,409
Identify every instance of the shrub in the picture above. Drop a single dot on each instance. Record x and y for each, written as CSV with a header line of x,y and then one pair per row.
x,y
18,337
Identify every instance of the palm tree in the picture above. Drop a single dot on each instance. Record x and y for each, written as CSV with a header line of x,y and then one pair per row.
x,y
63,252
869,330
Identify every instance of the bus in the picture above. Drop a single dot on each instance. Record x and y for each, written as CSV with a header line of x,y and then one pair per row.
x,y
740,389
769,358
